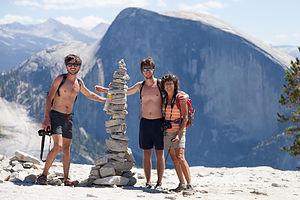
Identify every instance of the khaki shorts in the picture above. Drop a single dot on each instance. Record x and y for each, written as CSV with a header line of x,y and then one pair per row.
x,y
173,145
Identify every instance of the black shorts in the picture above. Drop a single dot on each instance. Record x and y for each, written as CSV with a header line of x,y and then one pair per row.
x,y
150,134
61,123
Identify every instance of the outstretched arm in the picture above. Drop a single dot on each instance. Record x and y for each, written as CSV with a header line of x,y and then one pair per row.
x,y
134,89
89,94
99,88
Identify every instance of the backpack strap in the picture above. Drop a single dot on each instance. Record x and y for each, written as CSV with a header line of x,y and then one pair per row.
x,y
61,83
79,82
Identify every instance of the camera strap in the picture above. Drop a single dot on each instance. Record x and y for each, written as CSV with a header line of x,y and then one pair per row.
x,y
172,105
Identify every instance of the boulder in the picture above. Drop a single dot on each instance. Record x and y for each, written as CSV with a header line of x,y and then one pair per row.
x,y
26,157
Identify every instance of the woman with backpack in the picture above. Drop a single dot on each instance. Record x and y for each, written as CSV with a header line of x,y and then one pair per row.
x,y
174,126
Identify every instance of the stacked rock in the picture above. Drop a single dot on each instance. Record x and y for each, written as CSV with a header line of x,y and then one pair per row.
x,y
24,168
113,168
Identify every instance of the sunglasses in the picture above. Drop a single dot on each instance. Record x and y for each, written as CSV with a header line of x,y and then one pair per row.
x,y
74,64
147,69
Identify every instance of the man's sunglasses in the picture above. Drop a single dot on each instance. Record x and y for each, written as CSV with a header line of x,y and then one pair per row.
x,y
147,69
74,64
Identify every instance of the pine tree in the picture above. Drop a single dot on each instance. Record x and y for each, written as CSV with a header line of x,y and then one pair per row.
x,y
291,100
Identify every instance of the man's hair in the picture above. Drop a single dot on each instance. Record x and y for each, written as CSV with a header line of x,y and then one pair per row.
x,y
70,57
147,62
170,77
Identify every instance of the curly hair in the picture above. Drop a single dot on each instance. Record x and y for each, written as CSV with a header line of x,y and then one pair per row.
x,y
147,62
70,57
170,77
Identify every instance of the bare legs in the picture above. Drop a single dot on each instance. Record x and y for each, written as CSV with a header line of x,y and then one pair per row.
x,y
147,164
181,166
63,144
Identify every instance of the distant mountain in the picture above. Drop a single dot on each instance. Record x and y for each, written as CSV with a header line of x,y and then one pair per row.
x,y
289,49
18,41
234,81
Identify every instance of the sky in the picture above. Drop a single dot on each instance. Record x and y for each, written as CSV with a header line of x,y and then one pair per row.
x,y
275,22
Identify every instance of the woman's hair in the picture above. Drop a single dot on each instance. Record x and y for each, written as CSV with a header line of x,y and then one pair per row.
x,y
147,62
170,77
70,57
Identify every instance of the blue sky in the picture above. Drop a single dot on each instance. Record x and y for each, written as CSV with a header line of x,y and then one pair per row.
x,y
272,21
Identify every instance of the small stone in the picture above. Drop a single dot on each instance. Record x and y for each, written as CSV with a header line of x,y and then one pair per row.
x,y
119,137
95,171
56,181
112,180
18,167
122,166
118,128
2,157
107,170
4,175
127,174
132,181
27,165
116,145
91,195
30,179
275,185
114,122
101,161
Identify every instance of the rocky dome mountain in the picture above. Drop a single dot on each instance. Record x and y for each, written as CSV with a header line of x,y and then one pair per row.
x,y
234,82
19,41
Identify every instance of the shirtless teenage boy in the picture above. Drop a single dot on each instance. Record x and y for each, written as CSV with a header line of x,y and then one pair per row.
x,y
58,115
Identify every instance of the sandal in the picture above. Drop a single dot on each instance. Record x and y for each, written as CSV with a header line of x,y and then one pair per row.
x,y
68,182
42,180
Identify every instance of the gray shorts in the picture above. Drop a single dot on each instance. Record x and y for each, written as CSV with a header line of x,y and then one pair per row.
x,y
173,145
61,123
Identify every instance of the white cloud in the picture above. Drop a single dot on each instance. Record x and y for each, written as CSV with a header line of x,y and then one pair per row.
x,y
14,18
77,4
27,3
281,36
161,3
87,22
201,6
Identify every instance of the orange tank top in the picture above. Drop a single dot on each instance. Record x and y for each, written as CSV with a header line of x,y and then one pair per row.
x,y
175,117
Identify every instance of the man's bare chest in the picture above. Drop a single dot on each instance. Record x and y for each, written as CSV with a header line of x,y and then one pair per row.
x,y
69,89
150,93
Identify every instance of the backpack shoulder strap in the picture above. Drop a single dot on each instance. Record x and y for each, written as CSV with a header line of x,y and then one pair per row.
x,y
159,88
141,88
61,83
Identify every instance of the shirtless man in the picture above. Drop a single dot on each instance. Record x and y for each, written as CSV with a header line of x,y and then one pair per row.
x,y
150,133
58,115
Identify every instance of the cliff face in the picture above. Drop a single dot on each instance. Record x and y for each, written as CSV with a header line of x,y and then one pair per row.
x,y
233,80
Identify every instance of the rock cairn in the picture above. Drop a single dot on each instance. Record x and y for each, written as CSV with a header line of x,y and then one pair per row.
x,y
113,168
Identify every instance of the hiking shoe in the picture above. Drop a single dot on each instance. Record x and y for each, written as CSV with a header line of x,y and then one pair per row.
x,y
158,186
189,190
180,187
42,180
148,185
68,182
